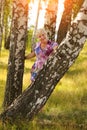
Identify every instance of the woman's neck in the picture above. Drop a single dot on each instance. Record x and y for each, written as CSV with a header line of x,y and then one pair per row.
x,y
43,44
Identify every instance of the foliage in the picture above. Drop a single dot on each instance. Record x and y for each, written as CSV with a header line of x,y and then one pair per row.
x,y
7,15
29,37
76,6
30,42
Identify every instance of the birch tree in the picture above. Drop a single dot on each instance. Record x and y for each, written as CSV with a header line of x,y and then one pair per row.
x,y
36,95
1,20
7,22
50,19
17,51
71,7
65,21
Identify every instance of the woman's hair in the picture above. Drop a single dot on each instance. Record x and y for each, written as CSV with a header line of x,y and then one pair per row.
x,y
41,31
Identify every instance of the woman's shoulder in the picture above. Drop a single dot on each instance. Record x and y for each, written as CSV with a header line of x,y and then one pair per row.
x,y
37,45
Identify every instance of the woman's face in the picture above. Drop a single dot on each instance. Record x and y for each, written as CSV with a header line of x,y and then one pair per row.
x,y
42,37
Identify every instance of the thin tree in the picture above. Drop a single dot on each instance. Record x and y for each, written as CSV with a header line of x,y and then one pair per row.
x,y
17,51
37,94
50,19
2,2
35,28
71,8
65,21
7,22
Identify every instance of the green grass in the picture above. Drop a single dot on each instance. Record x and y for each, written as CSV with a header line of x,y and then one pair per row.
x,y
66,107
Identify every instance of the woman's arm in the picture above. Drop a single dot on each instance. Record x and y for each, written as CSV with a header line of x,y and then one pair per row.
x,y
30,55
55,45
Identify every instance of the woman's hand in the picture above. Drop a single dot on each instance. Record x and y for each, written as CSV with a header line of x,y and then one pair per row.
x,y
30,55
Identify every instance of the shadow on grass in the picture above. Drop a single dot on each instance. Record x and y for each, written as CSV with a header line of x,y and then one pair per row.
x,y
44,122
76,71
74,119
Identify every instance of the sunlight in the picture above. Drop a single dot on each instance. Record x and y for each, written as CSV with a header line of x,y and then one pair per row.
x,y
59,15
33,6
32,12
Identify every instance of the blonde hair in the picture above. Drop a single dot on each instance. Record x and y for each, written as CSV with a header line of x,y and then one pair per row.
x,y
41,31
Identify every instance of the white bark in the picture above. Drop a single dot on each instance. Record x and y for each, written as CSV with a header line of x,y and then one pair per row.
x,y
17,51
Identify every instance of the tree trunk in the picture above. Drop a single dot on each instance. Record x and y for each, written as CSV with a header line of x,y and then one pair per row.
x,y
37,94
50,19
0,24
1,21
35,28
65,21
17,51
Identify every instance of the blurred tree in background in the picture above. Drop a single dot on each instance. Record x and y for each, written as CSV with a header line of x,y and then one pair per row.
x,y
50,19
2,3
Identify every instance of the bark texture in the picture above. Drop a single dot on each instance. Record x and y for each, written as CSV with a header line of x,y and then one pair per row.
x,y
36,95
17,51
50,19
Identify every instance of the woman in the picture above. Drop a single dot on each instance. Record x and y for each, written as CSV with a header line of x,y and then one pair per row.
x,y
42,50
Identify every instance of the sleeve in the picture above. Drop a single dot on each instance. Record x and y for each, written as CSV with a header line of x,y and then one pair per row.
x,y
54,44
37,48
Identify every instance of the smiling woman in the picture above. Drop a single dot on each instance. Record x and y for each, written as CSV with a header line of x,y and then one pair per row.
x,y
42,51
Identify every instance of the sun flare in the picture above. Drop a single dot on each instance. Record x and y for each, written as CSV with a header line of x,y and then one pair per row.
x,y
33,10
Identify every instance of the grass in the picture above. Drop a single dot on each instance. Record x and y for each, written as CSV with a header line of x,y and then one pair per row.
x,y
66,107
